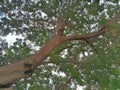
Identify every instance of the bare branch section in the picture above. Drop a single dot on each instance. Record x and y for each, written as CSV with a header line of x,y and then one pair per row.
x,y
12,73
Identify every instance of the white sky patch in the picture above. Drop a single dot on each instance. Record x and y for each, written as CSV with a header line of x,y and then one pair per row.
x,y
119,2
101,2
86,53
64,53
11,38
58,73
80,87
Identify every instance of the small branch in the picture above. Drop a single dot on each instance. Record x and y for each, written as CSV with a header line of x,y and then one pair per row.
x,y
81,64
67,82
70,46
61,26
75,62
113,20
90,44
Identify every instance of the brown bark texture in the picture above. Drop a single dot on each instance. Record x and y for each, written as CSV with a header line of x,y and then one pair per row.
x,y
10,74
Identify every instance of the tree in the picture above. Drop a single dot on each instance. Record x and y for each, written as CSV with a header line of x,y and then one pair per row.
x,y
78,41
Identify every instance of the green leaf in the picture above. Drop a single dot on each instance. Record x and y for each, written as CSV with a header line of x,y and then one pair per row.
x,y
103,21
37,87
115,83
56,3
115,71
105,81
75,73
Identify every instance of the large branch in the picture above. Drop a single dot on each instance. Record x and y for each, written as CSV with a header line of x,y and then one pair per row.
x,y
94,34
11,73
86,36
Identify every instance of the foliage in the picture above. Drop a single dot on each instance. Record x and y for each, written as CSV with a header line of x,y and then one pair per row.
x,y
72,63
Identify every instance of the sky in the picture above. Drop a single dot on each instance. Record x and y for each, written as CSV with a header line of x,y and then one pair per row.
x,y
1,14
10,38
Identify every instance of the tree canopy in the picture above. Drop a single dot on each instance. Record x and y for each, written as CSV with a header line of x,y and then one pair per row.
x,y
65,43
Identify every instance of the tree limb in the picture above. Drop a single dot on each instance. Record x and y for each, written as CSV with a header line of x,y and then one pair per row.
x,y
86,36
94,34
